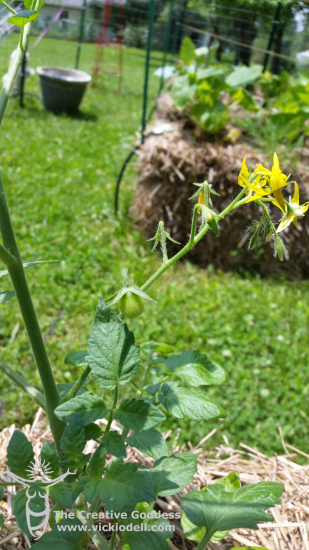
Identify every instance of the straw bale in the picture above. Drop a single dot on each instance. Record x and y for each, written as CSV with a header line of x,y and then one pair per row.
x,y
170,163
289,531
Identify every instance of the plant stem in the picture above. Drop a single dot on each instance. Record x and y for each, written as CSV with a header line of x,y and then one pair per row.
x,y
98,540
6,256
193,227
205,540
13,69
192,242
8,7
19,281
78,384
110,420
36,395
112,542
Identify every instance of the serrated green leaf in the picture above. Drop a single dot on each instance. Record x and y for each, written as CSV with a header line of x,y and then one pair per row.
x,y
143,540
114,444
23,17
76,358
170,475
220,510
61,493
183,402
196,369
90,408
149,442
62,539
50,459
112,355
96,465
73,439
64,389
37,505
92,431
20,454
122,484
7,295
138,415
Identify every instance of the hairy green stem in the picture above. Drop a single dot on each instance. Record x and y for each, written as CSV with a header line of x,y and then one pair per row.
x,y
192,242
193,227
19,281
78,384
111,415
98,540
35,394
205,540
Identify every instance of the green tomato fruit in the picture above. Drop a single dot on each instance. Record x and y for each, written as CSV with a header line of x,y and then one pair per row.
x,y
131,305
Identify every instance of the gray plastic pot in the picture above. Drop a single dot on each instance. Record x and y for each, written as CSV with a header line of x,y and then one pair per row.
x,y
62,89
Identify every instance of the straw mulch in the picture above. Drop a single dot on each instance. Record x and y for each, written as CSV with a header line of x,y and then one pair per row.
x,y
289,531
168,165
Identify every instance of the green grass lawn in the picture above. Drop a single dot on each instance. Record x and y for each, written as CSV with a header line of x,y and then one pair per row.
x,y
59,173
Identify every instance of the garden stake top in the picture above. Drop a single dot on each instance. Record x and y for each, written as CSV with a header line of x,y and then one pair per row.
x,y
108,486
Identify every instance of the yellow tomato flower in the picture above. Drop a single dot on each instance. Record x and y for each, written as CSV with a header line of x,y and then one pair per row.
x,y
292,210
277,180
201,200
243,174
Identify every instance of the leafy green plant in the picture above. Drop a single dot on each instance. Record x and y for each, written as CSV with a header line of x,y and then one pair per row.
x,y
128,491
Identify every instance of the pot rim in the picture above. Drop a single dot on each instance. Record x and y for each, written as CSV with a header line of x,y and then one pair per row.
x,y
76,77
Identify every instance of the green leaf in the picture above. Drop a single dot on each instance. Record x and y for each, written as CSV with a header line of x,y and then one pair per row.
x,y
243,76
142,540
122,484
53,517
160,347
50,458
231,482
183,402
64,389
187,51
61,493
215,77
138,415
1,521
20,454
96,465
22,18
73,439
220,510
114,444
7,295
90,408
153,388
92,431
76,358
20,502
62,539
112,355
170,475
243,98
182,92
149,442
27,264
196,369
210,117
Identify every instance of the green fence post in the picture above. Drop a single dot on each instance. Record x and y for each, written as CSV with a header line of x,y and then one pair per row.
x,y
167,38
81,34
149,41
272,34
175,39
